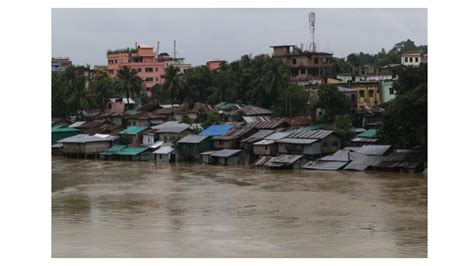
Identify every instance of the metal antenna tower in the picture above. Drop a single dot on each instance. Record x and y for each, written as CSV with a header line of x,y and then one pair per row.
x,y
312,19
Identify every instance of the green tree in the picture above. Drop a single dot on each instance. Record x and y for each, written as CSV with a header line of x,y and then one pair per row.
x,y
344,127
212,117
174,81
332,101
292,101
75,90
101,89
129,83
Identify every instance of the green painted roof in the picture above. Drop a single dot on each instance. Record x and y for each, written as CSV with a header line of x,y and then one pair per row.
x,y
63,129
133,112
313,127
131,150
133,130
371,133
225,106
114,149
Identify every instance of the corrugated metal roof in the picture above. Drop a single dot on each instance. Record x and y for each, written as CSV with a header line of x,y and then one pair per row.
x,y
313,134
114,149
296,141
325,165
63,128
216,130
264,142
272,124
208,152
77,124
225,153
131,151
277,135
371,133
133,130
164,150
363,162
262,160
192,139
285,159
235,133
374,149
371,140
83,138
339,156
156,144
313,127
250,119
259,135
251,110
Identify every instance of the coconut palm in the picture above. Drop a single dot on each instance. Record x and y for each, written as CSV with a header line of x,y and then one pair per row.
x,y
174,81
75,90
129,83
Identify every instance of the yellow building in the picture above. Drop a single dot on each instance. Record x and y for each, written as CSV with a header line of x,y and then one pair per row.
x,y
368,93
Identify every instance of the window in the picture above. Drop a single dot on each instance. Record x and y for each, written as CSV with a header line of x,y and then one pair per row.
x,y
157,79
115,61
293,61
391,91
149,79
111,71
416,59
139,69
156,69
406,59
371,93
411,59
316,60
362,94
353,97
149,69
110,105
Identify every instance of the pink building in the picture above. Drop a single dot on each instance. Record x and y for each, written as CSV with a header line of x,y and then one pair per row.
x,y
215,64
144,60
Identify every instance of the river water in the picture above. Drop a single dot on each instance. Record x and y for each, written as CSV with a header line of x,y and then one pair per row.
x,y
139,209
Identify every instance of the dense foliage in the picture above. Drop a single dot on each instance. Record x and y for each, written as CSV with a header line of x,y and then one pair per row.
x,y
405,120
333,102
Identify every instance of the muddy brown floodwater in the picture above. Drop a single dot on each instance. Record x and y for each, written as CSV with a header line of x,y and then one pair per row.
x,y
139,209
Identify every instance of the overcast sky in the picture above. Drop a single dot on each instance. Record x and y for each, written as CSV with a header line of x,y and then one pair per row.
x,y
203,34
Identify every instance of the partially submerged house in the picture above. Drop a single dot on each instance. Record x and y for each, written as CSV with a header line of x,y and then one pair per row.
x,y
128,153
216,130
246,144
231,140
172,131
61,132
165,154
367,157
132,135
83,145
190,147
286,161
313,143
332,162
365,138
227,157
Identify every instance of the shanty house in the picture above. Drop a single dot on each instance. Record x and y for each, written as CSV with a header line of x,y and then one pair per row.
x,y
231,140
309,143
165,154
86,145
190,147
216,130
365,138
227,157
132,135
62,132
172,131
286,161
247,144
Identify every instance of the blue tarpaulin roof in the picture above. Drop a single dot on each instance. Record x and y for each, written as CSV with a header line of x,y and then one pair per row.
x,y
216,130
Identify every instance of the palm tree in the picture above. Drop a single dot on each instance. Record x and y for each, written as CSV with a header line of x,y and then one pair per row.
x,y
75,90
102,88
274,79
129,83
174,81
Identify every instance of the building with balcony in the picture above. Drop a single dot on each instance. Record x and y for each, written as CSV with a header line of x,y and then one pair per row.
x,y
413,58
149,66
305,67
59,64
